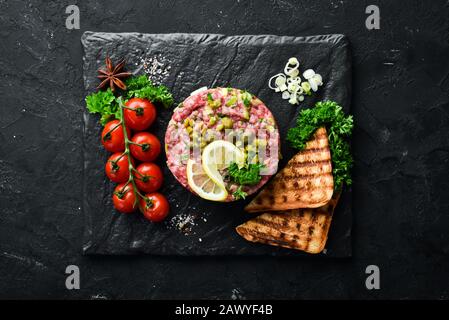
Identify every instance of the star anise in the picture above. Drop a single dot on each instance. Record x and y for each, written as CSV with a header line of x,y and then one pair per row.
x,y
113,76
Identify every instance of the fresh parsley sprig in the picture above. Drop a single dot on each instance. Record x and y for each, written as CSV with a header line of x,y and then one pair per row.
x,y
339,129
247,175
239,194
104,103
142,87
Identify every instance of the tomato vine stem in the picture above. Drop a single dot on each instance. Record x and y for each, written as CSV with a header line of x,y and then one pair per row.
x,y
131,168
107,136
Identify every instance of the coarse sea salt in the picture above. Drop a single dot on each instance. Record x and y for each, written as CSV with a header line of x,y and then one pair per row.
x,y
156,67
183,222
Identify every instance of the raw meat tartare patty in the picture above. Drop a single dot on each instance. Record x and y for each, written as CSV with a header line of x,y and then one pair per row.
x,y
215,114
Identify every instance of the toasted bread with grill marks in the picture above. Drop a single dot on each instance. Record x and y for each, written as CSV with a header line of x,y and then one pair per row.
x,y
305,182
300,229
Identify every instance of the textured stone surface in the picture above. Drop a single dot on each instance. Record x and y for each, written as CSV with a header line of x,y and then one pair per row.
x,y
197,60
401,145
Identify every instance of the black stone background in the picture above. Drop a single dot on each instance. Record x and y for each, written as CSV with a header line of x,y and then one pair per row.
x,y
401,145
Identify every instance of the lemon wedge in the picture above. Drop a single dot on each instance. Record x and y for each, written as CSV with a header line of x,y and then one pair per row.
x,y
217,156
204,186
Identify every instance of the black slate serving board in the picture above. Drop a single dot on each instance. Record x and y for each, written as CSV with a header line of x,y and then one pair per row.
x,y
211,60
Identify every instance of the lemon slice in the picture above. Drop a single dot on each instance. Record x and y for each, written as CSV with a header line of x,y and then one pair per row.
x,y
204,186
217,156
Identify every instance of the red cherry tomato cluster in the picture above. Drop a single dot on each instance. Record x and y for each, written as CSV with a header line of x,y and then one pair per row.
x,y
143,147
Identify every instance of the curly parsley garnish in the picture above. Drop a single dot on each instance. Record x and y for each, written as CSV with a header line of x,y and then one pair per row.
x,y
239,194
247,175
104,103
339,129
142,87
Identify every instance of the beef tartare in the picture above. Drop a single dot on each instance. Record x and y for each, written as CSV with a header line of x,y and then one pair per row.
x,y
229,122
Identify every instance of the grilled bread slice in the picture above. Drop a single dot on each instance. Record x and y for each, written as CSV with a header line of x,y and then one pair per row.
x,y
305,182
301,229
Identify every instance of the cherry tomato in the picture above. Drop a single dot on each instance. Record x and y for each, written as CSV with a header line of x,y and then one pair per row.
x,y
155,207
139,114
117,167
112,136
148,177
145,146
124,198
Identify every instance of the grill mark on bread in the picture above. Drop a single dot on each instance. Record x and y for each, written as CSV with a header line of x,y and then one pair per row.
x,y
306,181
312,150
283,185
308,163
273,225
301,229
307,175
253,234
294,242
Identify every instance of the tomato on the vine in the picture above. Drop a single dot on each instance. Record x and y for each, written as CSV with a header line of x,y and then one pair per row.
x,y
145,146
124,198
112,136
139,114
117,167
154,207
148,177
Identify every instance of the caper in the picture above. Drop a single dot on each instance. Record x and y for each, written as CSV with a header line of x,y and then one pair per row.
x,y
208,110
211,138
227,122
212,120
232,101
